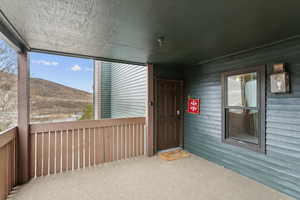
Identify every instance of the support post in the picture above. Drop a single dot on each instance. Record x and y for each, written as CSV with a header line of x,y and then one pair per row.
x,y
23,118
150,111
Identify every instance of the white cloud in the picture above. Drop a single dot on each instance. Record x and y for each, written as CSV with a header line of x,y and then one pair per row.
x,y
76,68
45,62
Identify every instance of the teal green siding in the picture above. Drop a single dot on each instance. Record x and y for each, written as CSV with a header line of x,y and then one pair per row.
x,y
106,90
128,90
123,90
279,168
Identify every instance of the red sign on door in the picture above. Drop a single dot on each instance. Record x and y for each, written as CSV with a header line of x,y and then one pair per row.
x,y
194,106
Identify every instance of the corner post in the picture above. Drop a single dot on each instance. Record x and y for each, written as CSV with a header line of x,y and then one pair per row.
x,y
23,117
150,111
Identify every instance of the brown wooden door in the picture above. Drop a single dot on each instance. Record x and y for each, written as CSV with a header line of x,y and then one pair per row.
x,y
169,114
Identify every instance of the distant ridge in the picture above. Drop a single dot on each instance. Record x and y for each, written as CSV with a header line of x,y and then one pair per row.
x,y
45,88
50,100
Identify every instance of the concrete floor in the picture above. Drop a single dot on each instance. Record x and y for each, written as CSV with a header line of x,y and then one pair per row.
x,y
148,179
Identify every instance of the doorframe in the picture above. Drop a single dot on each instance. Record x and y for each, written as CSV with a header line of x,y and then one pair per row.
x,y
150,108
156,111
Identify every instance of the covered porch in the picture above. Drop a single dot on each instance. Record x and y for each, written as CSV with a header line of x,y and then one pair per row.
x,y
244,148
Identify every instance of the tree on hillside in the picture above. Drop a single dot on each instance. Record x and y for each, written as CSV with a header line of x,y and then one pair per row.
x,y
8,58
88,113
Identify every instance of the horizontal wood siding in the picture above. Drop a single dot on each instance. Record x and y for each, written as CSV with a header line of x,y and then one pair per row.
x,y
128,90
67,146
8,162
105,89
280,166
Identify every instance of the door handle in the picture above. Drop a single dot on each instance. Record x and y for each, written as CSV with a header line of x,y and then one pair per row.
x,y
178,112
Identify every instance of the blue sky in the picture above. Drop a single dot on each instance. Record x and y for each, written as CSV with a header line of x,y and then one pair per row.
x,y
69,71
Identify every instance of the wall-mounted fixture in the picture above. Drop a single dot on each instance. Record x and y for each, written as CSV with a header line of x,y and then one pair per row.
x,y
280,82
160,41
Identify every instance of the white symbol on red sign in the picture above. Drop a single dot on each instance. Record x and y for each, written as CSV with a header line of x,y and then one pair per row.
x,y
194,105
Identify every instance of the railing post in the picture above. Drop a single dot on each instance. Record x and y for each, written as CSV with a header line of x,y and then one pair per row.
x,y
23,118
150,111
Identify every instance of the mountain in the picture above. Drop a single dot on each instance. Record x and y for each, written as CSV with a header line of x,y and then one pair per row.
x,y
49,89
50,101
55,102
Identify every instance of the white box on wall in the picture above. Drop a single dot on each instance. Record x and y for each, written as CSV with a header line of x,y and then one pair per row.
x,y
280,82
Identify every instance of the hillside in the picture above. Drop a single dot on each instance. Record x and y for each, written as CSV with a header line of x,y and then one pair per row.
x,y
55,102
48,89
51,101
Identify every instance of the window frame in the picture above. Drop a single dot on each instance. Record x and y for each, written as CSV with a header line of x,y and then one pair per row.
x,y
261,108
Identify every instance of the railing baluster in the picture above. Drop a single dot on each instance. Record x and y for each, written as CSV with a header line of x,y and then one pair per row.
x,y
87,147
61,150
13,162
64,151
111,137
115,143
75,149
97,147
8,156
123,142
42,156
102,146
129,141
81,136
67,153
134,140
142,138
70,150
105,142
34,158
55,151
49,152
78,149
92,146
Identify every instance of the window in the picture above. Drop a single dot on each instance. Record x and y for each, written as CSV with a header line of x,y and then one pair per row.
x,y
8,86
243,108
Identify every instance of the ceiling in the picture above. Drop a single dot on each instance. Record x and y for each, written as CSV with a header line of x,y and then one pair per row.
x,y
194,30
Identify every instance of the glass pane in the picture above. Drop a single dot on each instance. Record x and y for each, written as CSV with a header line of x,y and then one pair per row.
x,y
242,90
242,125
8,86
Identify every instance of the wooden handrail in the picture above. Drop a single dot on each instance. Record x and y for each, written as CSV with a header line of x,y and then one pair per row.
x,y
43,127
7,136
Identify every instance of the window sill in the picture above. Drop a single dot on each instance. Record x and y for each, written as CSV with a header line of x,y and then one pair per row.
x,y
245,145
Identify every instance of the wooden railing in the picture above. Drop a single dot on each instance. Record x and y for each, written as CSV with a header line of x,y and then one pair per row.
x,y
8,167
67,146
